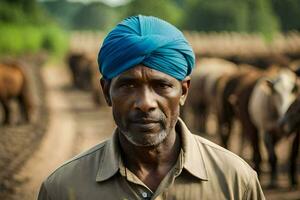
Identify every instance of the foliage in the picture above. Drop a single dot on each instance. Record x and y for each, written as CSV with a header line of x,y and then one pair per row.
x,y
165,9
25,28
55,40
93,16
231,15
62,11
262,16
216,15
21,11
19,39
288,12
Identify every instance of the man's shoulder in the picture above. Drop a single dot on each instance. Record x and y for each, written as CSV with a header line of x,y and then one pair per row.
x,y
87,160
213,154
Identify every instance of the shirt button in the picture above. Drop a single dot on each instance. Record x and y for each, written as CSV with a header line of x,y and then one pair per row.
x,y
144,194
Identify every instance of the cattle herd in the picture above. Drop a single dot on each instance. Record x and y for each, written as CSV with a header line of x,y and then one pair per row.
x,y
266,103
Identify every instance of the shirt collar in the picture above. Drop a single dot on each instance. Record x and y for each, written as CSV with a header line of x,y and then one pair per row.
x,y
193,158
110,162
193,154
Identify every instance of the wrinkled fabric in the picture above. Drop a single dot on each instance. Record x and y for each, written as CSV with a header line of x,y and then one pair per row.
x,y
149,41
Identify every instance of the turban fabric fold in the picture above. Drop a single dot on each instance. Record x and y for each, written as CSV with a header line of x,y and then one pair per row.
x,y
146,40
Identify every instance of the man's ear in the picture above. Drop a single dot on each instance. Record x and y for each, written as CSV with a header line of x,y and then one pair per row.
x,y
105,84
185,85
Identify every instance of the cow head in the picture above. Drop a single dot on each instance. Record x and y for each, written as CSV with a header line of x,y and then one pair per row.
x,y
284,89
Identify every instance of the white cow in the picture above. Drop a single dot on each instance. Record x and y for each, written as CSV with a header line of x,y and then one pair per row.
x,y
268,102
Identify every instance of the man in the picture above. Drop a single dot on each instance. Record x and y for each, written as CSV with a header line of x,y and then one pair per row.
x,y
145,63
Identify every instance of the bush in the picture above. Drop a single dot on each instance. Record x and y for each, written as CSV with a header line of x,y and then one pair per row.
x,y
55,40
19,39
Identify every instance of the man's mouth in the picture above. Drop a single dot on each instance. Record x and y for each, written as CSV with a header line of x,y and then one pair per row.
x,y
145,124
144,121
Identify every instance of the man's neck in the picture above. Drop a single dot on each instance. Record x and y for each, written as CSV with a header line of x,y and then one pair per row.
x,y
151,164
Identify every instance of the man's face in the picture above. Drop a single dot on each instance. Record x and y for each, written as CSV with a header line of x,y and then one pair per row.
x,y
145,104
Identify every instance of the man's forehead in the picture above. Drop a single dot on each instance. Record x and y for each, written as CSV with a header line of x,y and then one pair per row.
x,y
143,72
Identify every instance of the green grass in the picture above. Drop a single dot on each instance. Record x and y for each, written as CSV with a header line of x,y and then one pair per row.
x,y
17,39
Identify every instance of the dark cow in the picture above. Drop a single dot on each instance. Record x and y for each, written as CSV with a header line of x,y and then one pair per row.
x,y
14,85
81,72
227,85
86,75
240,101
226,88
290,124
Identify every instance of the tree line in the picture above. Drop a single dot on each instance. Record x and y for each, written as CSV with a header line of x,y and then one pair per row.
x,y
33,25
264,16
26,29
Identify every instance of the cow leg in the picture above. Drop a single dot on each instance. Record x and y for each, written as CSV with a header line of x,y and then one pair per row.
x,y
225,131
293,159
23,110
6,112
270,142
256,148
25,105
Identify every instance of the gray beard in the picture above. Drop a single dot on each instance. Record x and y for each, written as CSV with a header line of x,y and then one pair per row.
x,y
148,140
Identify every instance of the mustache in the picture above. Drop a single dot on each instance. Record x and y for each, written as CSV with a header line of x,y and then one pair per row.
x,y
141,117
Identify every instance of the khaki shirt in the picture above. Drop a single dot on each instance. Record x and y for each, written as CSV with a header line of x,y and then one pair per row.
x,y
203,170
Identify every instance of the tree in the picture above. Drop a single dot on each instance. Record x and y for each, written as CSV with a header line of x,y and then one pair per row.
x,y
63,11
93,16
288,12
164,9
216,15
262,18
21,11
231,15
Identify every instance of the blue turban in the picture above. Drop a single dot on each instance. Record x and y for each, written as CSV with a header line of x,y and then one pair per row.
x,y
146,40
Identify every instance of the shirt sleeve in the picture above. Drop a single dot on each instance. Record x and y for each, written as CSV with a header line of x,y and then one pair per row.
x,y
254,190
43,194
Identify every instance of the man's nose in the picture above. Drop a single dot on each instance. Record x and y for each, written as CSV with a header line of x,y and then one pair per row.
x,y
145,101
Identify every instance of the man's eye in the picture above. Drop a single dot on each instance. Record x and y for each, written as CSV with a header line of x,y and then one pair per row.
x,y
164,85
127,85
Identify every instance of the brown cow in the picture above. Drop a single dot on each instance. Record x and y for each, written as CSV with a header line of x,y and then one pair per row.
x,y
202,92
13,85
226,88
240,101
